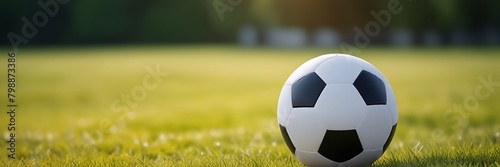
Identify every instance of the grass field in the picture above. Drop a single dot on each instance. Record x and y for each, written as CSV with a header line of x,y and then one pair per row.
x,y
217,106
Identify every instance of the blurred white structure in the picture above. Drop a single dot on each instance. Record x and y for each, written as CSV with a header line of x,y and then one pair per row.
x,y
402,37
431,38
248,36
326,37
492,36
286,37
458,37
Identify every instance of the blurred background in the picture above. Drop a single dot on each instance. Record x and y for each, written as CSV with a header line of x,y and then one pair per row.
x,y
278,23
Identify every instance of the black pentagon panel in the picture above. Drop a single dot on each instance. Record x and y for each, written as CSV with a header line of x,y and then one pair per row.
x,y
306,91
340,146
389,139
371,88
288,142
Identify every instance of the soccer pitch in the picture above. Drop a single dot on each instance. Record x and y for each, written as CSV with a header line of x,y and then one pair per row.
x,y
216,106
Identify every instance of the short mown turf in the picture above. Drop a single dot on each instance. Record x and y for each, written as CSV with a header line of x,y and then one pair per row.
x,y
217,106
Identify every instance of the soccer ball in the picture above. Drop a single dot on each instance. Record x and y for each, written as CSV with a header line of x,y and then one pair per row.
x,y
337,110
